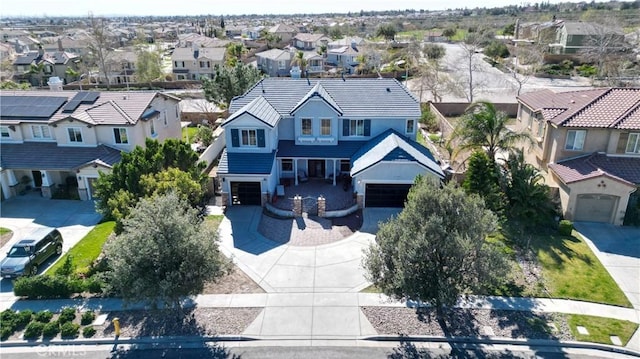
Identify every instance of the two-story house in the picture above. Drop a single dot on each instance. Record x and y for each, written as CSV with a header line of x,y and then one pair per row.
x,y
48,138
274,62
283,31
54,64
344,57
283,130
194,63
121,67
588,145
305,41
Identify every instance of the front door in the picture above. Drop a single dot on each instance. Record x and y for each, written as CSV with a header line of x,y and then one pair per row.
x,y
316,168
37,179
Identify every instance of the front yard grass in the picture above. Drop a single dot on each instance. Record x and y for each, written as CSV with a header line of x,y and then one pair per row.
x,y
572,271
601,329
87,250
189,134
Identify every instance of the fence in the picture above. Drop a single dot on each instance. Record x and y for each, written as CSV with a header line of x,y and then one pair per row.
x,y
213,151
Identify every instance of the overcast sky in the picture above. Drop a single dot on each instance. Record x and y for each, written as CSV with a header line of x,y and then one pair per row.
x,y
225,7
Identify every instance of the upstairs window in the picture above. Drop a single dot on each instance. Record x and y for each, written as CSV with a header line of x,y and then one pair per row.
x,y
633,143
75,134
153,128
356,127
306,127
40,132
325,129
410,125
120,136
4,132
575,140
249,138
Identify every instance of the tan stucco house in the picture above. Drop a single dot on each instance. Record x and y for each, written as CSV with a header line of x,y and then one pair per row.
x,y
588,146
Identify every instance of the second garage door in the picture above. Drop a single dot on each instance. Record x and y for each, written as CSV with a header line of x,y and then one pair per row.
x,y
246,193
595,207
386,195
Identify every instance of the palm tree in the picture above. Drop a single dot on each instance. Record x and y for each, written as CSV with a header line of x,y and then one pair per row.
x,y
38,70
483,126
299,60
363,67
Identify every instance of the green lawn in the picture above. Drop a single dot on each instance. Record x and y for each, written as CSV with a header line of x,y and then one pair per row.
x,y
213,221
572,271
4,230
87,250
190,132
601,329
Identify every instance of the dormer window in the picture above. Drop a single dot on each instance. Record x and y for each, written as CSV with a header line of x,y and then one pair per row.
x,y
633,143
307,129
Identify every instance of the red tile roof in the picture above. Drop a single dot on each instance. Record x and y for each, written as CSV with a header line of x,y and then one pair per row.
x,y
626,169
598,108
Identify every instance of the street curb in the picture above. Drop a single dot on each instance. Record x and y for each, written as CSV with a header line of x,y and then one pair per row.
x,y
124,341
506,341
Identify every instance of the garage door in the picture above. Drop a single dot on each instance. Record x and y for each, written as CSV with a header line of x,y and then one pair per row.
x,y
595,208
246,193
386,195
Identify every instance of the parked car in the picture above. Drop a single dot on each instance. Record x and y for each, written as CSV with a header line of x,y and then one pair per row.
x,y
27,255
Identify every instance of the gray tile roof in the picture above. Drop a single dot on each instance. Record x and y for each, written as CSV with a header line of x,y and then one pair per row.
x,y
246,163
275,54
259,108
111,108
391,146
598,108
50,156
594,165
343,150
356,97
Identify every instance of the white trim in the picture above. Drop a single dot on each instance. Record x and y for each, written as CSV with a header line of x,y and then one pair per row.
x,y
5,130
69,135
126,134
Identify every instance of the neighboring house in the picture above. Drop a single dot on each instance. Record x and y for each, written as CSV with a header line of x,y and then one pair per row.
x,y
275,62
576,37
304,41
284,32
121,67
588,145
540,33
55,64
252,33
232,31
197,62
50,138
347,41
287,129
77,45
197,40
344,57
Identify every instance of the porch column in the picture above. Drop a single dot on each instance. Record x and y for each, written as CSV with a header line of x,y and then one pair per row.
x,y
334,171
46,184
295,171
12,184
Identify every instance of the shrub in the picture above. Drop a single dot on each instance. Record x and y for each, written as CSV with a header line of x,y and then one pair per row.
x,y
428,119
8,318
87,318
93,284
5,332
566,227
88,332
43,316
33,330
50,330
69,330
67,267
23,318
46,287
434,138
67,315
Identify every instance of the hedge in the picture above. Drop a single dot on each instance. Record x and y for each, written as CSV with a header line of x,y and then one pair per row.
x,y
53,287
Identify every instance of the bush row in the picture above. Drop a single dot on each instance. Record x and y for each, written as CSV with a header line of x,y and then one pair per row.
x,y
40,324
50,287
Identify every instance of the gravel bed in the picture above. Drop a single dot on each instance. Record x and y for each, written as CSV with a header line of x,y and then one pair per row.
x,y
197,321
468,322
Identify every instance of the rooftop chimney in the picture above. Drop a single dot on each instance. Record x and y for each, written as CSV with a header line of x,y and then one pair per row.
x,y
55,84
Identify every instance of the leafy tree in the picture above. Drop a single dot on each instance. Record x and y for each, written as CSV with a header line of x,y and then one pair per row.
x,y
234,53
509,29
222,21
449,32
496,50
119,191
483,179
172,179
483,126
529,199
38,71
434,52
388,31
148,66
164,254
435,250
204,135
230,82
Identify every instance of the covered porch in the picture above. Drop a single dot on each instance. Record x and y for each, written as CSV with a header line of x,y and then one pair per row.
x,y
336,197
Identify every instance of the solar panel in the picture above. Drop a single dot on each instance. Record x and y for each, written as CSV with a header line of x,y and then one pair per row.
x,y
82,97
90,97
30,106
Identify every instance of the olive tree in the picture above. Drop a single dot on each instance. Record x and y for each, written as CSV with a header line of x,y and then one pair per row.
x,y
164,254
435,249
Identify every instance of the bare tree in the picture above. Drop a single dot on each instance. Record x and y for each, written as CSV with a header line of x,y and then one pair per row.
x,y
526,62
468,62
603,46
101,45
434,79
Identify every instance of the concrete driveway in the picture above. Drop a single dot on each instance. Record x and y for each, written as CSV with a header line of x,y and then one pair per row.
x,y
24,214
618,249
